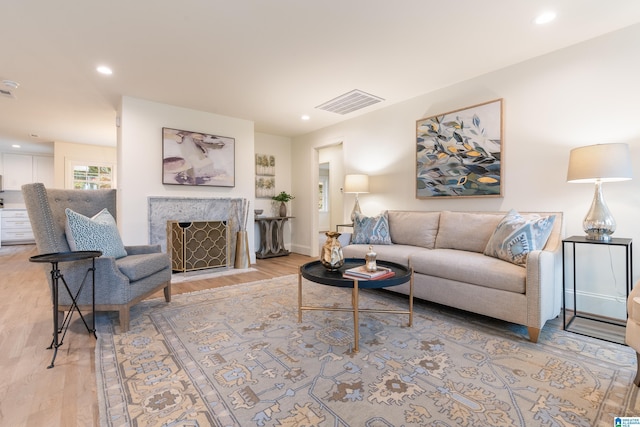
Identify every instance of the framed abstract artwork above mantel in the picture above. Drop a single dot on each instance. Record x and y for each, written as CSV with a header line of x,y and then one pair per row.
x,y
196,158
460,153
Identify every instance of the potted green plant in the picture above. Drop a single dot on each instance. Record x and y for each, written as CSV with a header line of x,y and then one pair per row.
x,y
283,198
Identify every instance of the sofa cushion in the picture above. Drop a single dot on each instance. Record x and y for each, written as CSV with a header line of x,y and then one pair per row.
x,y
98,233
414,228
466,231
470,267
516,236
371,230
137,267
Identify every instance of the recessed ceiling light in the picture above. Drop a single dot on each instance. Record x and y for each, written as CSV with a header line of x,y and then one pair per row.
x,y
305,117
545,17
103,69
15,146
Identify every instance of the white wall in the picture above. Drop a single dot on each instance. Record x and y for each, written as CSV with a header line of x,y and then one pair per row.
x,y
582,95
140,161
280,147
67,151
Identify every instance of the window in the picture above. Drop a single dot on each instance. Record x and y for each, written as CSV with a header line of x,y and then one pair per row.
x,y
93,176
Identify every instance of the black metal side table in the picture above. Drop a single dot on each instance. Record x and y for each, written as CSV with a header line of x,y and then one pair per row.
x,y
54,259
577,321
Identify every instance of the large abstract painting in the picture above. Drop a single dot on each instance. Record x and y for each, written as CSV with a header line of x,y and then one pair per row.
x,y
459,154
195,158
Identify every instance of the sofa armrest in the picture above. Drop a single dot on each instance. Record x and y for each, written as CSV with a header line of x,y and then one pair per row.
x,y
633,303
544,286
142,249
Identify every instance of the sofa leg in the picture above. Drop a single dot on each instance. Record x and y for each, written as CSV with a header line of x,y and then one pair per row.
x,y
534,333
636,381
124,319
167,292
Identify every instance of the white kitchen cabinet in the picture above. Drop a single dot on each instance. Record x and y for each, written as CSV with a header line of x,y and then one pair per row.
x,y
20,169
16,228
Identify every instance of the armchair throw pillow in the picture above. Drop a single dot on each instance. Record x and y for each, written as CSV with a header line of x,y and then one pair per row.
x,y
98,233
516,236
371,230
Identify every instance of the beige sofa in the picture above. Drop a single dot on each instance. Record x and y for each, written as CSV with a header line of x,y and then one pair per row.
x,y
446,251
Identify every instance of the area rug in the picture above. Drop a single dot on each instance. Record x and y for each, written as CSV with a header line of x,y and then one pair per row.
x,y
236,356
191,276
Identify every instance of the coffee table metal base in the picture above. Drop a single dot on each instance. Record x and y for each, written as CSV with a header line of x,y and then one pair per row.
x,y
355,307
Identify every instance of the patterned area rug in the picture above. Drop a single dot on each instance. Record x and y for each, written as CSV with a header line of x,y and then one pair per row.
x,y
236,356
191,276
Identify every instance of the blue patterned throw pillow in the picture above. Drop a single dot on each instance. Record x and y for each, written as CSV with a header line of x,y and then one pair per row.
x,y
371,230
98,233
516,236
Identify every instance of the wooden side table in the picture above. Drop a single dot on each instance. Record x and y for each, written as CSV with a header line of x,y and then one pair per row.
x,y
272,237
55,259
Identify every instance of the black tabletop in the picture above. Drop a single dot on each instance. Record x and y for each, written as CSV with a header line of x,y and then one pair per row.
x,y
316,272
65,256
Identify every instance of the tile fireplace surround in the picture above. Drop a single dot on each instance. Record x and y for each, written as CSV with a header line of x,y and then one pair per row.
x,y
184,209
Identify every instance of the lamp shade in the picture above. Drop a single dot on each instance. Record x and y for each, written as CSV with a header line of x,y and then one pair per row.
x,y
600,162
356,183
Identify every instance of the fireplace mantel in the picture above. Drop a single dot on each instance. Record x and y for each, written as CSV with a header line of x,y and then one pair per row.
x,y
163,209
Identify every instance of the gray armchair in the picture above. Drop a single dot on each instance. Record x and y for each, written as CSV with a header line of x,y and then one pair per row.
x,y
119,283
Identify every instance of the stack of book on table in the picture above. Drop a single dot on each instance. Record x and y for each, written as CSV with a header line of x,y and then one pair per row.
x,y
361,273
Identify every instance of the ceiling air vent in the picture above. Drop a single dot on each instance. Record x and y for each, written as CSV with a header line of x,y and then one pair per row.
x,y
350,102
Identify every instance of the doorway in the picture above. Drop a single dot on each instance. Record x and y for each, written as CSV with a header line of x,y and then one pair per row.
x,y
330,176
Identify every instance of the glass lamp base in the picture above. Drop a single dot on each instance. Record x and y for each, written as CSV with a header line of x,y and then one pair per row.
x,y
599,223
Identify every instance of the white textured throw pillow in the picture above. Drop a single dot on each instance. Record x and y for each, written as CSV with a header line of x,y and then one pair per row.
x,y
516,236
98,233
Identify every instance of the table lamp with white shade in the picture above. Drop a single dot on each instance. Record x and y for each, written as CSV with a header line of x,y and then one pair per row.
x,y
356,183
597,164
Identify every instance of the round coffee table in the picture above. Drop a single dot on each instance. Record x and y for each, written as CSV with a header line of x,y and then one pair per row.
x,y
315,272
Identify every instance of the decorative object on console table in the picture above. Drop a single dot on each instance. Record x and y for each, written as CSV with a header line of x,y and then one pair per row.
x,y
283,198
356,184
331,257
590,324
597,164
195,158
272,236
459,154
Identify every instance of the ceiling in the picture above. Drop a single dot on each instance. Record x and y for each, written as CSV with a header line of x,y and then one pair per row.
x,y
265,61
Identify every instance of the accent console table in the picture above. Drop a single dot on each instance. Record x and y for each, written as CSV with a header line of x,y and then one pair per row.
x,y
271,236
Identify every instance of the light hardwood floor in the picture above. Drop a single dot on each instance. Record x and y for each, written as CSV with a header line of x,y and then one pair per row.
x,y
31,394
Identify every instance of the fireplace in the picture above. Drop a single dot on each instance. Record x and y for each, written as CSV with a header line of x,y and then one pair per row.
x,y
197,245
190,209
